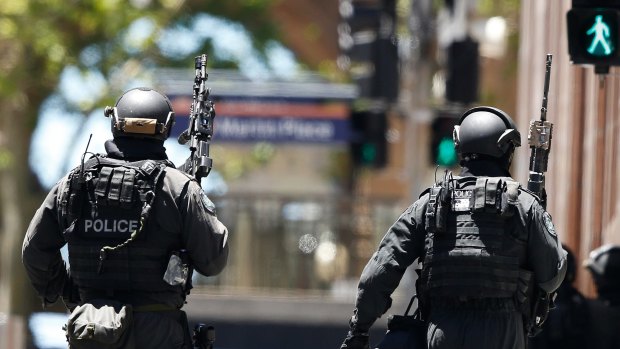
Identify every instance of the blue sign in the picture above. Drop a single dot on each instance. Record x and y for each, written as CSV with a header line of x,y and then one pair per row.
x,y
240,129
272,120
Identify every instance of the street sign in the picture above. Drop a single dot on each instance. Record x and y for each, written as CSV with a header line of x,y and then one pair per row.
x,y
269,119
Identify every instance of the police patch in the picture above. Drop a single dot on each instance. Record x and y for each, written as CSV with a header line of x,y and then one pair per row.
x,y
549,224
209,205
461,199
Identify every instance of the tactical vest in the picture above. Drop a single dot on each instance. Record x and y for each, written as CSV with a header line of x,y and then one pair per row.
x,y
473,250
105,205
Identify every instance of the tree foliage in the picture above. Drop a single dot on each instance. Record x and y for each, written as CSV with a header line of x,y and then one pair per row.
x,y
38,40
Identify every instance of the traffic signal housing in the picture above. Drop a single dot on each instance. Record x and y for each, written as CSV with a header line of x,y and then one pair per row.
x,y
462,71
442,148
593,36
369,146
369,55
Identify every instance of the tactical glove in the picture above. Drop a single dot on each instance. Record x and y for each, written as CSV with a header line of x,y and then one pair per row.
x,y
356,340
70,294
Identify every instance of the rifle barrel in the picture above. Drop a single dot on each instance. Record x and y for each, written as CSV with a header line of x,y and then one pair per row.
x,y
543,110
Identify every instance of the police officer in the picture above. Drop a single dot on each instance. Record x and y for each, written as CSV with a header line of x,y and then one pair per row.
x,y
484,242
604,266
569,321
130,220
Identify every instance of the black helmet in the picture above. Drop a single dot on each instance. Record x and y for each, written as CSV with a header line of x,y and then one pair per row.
x,y
604,264
141,112
486,131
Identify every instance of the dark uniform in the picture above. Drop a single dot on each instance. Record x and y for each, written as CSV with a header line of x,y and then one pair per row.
x,y
123,215
604,265
568,325
483,240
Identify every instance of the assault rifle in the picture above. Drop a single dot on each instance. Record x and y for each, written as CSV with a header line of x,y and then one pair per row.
x,y
539,140
200,130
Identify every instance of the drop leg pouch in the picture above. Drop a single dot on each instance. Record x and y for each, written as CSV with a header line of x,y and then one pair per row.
x,y
100,324
405,331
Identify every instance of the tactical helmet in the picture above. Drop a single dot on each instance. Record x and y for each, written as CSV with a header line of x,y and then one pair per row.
x,y
604,264
486,131
143,113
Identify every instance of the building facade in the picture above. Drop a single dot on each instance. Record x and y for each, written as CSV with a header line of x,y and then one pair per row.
x,y
583,176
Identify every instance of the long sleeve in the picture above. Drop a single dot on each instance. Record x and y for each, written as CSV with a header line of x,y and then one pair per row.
x,y
546,256
401,246
206,238
41,251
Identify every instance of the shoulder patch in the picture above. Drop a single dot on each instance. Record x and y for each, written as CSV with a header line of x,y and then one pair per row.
x,y
209,205
549,224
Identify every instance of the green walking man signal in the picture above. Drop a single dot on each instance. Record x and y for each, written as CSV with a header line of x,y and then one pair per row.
x,y
600,45
593,37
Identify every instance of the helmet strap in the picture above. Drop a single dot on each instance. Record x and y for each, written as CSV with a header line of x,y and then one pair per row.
x,y
167,126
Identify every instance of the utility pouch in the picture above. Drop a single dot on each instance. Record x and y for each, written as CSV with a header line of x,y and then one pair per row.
x,y
405,331
100,324
177,271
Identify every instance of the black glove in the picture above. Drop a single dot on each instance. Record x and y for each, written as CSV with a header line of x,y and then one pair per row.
x,y
70,294
356,340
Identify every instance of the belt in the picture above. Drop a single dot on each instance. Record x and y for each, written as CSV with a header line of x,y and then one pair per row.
x,y
506,304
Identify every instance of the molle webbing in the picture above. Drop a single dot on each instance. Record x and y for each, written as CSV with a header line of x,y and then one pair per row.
x,y
490,195
437,208
132,268
77,187
114,190
115,184
486,194
494,195
475,255
147,197
107,182
432,208
466,272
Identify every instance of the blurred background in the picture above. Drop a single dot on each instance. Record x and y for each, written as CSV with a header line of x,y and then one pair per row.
x,y
332,117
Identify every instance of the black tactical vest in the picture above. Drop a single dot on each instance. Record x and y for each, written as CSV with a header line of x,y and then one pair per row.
x,y
102,204
475,238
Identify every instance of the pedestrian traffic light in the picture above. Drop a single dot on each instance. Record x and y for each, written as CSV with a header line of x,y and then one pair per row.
x,y
442,148
593,36
368,142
